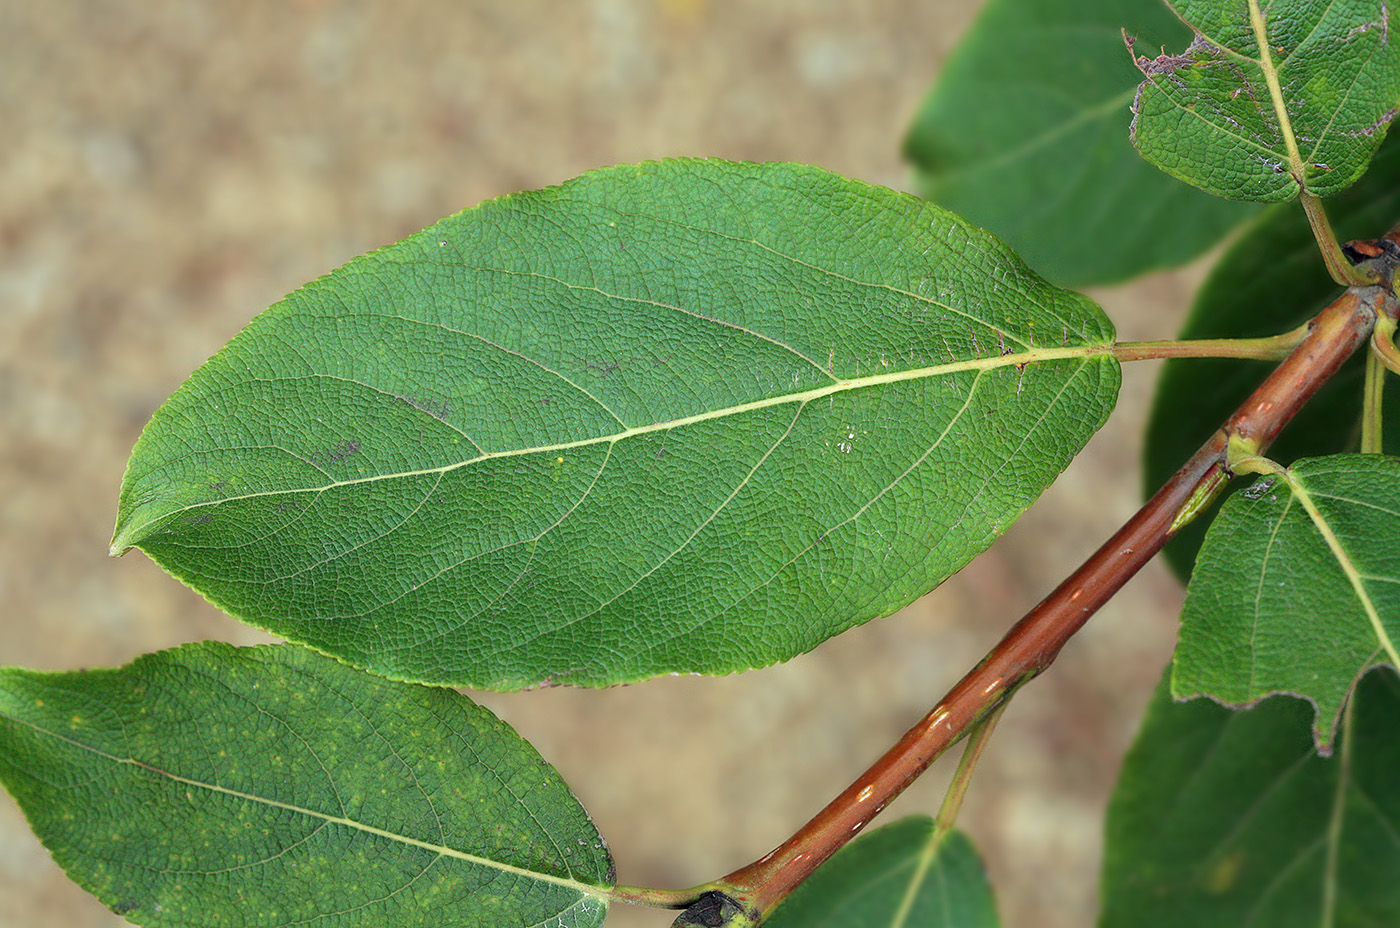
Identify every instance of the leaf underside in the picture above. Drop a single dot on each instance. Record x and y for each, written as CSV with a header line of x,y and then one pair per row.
x,y
1225,818
686,416
1286,601
272,786
1209,117
898,876
1025,133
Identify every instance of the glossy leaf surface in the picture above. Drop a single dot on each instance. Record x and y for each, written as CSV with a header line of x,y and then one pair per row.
x,y
1025,132
895,877
1269,281
1297,588
1253,120
1225,818
684,416
272,786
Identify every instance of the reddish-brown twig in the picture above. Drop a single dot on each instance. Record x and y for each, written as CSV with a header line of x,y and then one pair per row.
x,y
747,895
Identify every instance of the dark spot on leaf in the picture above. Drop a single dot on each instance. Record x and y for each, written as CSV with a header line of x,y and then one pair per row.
x,y
337,454
601,368
438,408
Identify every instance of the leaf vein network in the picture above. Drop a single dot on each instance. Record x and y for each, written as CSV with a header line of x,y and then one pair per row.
x,y
441,850
685,543
1032,356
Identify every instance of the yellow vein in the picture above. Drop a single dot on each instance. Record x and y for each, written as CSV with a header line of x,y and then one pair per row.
x,y
660,641
441,850
875,285
1266,63
658,304
916,879
685,543
1013,359
900,291
1344,561
490,343
1256,626
464,621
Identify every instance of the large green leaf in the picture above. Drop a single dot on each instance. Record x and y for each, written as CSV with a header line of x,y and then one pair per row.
x,y
1025,132
898,876
271,786
1271,280
683,416
1242,120
1297,588
1224,819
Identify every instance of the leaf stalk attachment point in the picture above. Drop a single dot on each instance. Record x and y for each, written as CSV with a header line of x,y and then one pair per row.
x,y
1243,457
1266,61
656,898
1034,642
977,740
1383,344
1268,348
1342,270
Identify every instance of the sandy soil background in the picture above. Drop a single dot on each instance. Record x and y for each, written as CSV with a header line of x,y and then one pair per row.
x,y
170,168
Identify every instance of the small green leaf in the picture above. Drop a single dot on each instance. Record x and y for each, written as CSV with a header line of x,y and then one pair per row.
x,y
1254,120
1025,133
1271,280
686,416
1297,588
898,876
1224,818
271,786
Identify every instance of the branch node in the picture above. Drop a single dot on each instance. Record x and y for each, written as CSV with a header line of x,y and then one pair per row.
x,y
715,909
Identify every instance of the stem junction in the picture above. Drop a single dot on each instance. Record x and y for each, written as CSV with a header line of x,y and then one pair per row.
x,y
749,894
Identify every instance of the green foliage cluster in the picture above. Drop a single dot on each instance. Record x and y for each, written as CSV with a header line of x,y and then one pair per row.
x,y
698,416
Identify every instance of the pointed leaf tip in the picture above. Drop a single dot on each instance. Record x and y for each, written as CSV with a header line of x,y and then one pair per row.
x,y
688,416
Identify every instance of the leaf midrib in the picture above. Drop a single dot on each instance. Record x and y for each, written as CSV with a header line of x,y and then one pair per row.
x,y
1345,563
128,536
1271,80
922,866
442,850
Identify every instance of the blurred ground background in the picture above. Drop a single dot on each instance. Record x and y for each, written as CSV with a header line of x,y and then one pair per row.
x,y
170,168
